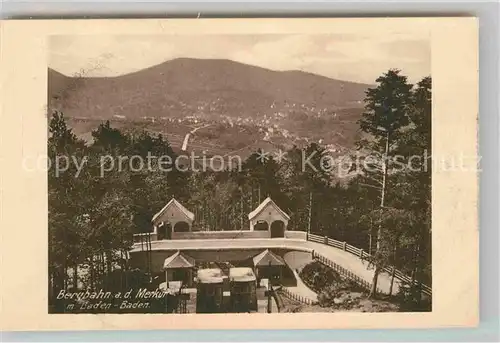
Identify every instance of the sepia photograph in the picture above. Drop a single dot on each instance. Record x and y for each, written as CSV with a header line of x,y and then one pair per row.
x,y
182,174
240,173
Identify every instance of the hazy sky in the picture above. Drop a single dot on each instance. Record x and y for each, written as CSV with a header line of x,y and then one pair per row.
x,y
351,57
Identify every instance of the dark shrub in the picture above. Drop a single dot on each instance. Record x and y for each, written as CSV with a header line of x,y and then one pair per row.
x,y
318,276
411,299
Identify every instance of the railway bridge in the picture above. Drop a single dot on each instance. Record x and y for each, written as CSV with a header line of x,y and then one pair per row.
x,y
295,247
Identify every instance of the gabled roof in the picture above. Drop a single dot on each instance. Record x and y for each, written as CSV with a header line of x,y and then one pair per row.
x,y
174,202
263,205
267,258
178,260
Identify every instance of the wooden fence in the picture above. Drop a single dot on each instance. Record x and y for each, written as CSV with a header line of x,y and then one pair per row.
x,y
344,272
406,279
296,297
364,256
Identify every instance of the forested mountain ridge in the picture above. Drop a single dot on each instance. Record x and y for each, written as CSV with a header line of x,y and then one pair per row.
x,y
240,102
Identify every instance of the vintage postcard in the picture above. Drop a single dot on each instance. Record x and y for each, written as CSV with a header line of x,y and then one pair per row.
x,y
239,173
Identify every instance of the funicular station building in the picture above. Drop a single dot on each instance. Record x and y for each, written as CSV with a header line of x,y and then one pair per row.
x,y
225,267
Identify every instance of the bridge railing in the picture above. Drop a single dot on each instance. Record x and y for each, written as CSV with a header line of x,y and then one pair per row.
x,y
226,234
314,238
233,234
335,243
365,256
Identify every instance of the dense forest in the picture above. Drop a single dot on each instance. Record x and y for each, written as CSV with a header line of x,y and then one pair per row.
x,y
381,207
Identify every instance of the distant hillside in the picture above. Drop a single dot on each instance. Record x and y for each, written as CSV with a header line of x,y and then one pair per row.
x,y
57,84
292,104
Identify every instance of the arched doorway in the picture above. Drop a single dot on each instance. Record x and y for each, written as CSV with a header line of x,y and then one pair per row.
x,y
278,229
181,227
261,225
168,231
164,231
